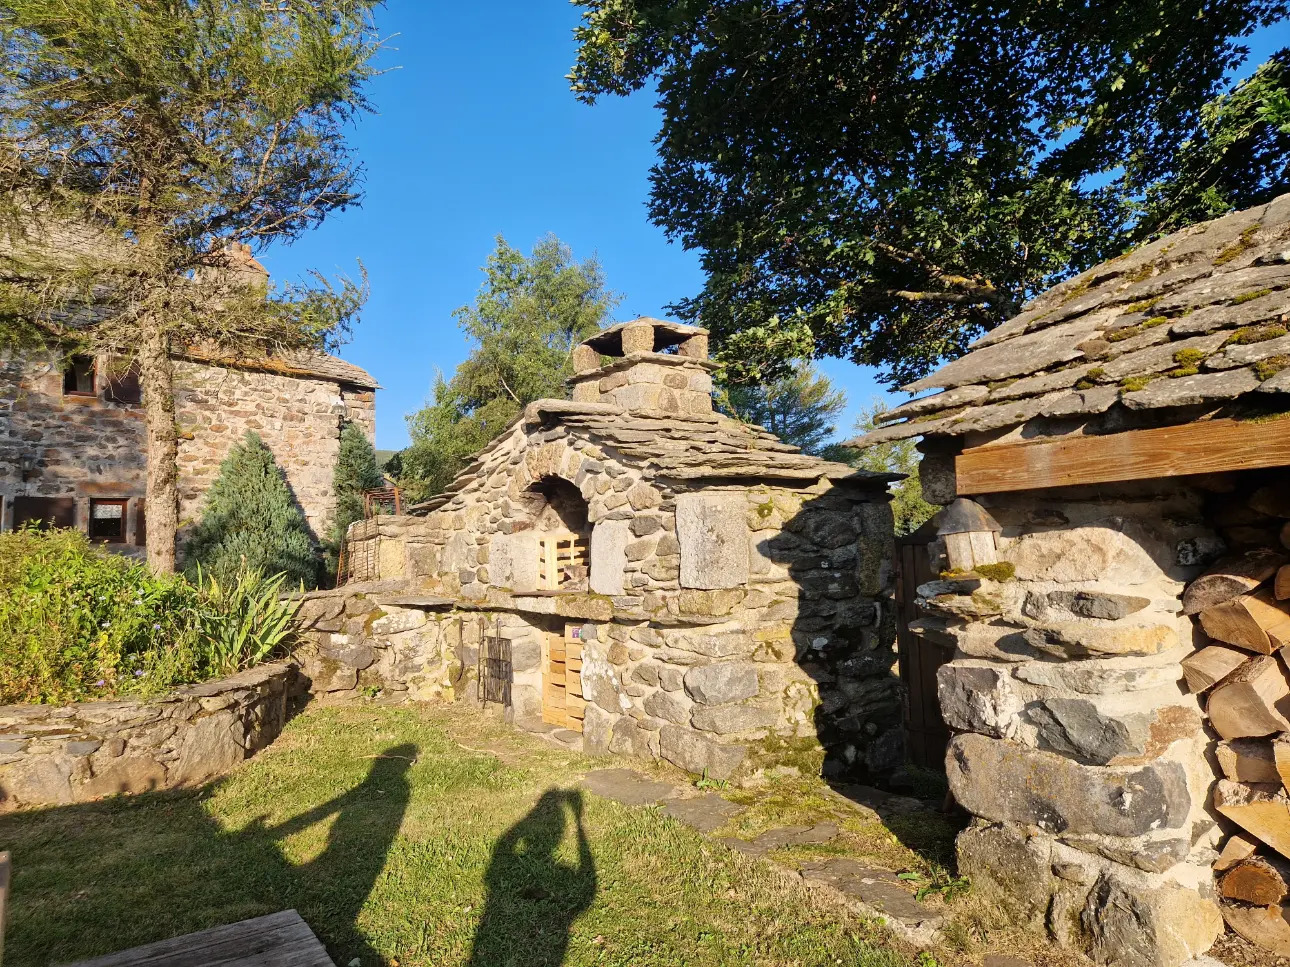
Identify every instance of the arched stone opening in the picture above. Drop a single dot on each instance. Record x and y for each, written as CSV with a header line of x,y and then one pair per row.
x,y
557,515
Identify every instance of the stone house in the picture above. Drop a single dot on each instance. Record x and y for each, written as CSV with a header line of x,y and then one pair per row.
x,y
1115,463
72,436
641,575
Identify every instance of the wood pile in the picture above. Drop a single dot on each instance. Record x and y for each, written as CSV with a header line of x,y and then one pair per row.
x,y
1243,605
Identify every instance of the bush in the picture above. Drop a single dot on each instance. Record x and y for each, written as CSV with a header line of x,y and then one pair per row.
x,y
251,522
78,623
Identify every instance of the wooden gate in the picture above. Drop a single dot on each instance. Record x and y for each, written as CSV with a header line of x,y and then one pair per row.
x,y
562,701
926,735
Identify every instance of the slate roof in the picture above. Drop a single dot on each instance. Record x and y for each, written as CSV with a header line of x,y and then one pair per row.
x,y
306,363
1196,318
681,449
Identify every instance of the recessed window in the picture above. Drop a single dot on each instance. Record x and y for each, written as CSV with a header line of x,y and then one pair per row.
x,y
122,384
107,520
44,512
78,376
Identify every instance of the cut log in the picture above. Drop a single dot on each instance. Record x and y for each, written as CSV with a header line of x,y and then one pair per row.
x,y
1255,621
1206,668
1254,700
1248,760
1271,500
1238,847
1282,587
1261,880
1281,756
1231,577
1262,810
1264,927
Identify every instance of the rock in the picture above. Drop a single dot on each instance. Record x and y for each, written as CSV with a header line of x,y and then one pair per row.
x,y
1097,604
704,813
399,621
210,747
672,706
722,682
671,678
693,752
728,644
1151,856
128,775
1009,868
36,781
83,747
978,696
627,787
600,686
526,655
714,540
1131,925
350,654
1111,550
726,719
1099,676
597,727
1005,782
1074,727
1076,640
630,739
609,540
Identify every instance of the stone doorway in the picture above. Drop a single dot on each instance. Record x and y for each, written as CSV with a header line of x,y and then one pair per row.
x,y
562,700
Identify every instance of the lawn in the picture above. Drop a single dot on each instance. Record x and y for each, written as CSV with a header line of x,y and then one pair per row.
x,y
399,846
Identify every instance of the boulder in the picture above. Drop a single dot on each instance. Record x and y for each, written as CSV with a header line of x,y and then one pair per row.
x,y
1133,925
978,696
1008,867
671,706
1097,604
1005,782
698,754
1112,550
725,719
714,540
722,682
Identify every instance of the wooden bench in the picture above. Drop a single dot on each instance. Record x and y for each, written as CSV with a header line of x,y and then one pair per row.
x,y
278,940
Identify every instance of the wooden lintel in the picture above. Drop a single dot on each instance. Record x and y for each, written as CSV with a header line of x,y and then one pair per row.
x,y
1211,446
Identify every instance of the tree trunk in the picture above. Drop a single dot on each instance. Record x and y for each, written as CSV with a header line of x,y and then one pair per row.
x,y
156,375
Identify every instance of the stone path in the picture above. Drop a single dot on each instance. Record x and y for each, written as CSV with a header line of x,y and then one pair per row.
x,y
865,890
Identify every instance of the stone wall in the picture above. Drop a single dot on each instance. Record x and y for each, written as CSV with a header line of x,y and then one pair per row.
x,y
53,755
1079,753
724,626
86,447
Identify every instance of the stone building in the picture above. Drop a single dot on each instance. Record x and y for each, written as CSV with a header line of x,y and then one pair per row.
x,y
1124,443
73,445
641,574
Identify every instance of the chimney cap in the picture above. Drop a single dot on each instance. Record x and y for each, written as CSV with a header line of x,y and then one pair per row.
x,y
609,341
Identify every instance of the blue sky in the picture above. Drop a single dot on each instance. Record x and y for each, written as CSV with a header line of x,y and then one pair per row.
x,y
476,134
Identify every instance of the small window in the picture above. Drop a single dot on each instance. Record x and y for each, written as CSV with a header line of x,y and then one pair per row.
x,y
78,376
44,512
123,384
107,520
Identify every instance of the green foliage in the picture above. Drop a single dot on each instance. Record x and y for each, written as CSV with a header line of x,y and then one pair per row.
x,y
243,621
529,314
883,181
1265,369
356,472
898,456
80,623
251,522
799,408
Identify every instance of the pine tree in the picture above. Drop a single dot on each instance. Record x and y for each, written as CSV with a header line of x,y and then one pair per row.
x,y
356,472
251,520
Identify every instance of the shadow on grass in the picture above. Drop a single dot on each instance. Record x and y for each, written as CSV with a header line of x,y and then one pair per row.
x,y
531,893
98,878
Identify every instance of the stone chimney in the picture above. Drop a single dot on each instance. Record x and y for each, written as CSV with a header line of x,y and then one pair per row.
x,y
654,367
235,266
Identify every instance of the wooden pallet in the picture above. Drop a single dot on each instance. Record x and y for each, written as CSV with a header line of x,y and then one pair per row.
x,y
562,699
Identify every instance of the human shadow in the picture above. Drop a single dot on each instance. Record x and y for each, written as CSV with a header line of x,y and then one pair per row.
x,y
533,897
156,865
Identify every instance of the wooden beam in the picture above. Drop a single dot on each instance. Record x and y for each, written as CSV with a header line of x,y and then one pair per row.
x,y
1210,446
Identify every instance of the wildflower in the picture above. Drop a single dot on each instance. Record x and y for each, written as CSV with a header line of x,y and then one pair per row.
x,y
100,683
138,673
156,627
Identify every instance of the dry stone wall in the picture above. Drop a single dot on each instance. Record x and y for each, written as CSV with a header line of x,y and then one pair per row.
x,y
1078,751
53,755
723,626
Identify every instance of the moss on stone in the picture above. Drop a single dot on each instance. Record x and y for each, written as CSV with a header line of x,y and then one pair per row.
x,y
1000,572
1265,369
1143,306
1251,296
1248,335
1240,245
1132,384
1154,321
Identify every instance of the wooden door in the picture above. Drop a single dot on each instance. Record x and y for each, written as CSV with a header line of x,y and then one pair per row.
x,y
562,700
926,735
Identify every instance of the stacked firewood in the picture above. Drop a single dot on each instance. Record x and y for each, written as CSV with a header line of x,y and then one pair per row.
x,y
1243,605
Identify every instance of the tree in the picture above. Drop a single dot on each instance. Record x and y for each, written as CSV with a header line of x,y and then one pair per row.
x,y
799,408
252,522
356,473
138,139
529,315
883,181
900,456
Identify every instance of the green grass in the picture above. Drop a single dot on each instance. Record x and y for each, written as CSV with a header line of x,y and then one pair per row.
x,y
398,846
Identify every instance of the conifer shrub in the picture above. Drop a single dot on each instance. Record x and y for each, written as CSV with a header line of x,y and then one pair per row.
x,y
251,522
356,472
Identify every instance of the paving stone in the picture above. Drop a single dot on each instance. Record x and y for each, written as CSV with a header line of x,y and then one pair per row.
x,y
705,813
879,889
796,836
628,787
